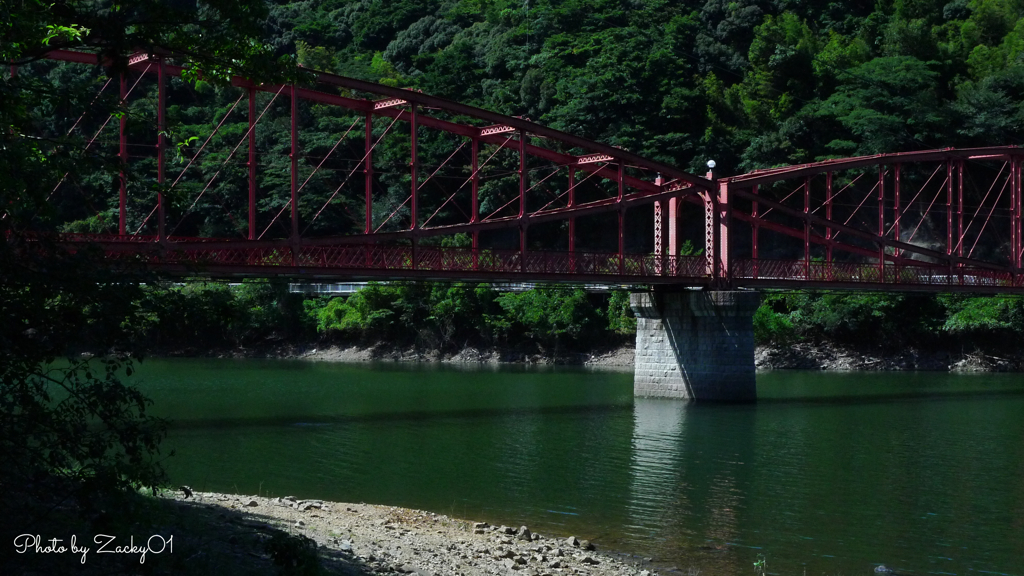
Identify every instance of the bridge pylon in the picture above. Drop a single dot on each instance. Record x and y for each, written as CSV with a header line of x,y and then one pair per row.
x,y
695,344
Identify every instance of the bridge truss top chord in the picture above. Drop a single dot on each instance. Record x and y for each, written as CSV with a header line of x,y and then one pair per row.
x,y
934,220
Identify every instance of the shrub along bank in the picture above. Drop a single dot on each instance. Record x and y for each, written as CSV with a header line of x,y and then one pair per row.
x,y
890,322
199,317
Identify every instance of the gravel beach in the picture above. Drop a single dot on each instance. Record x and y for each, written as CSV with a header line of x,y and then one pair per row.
x,y
373,539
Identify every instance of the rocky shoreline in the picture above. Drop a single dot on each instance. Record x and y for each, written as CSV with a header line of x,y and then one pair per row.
x,y
614,357
611,356
830,357
801,356
369,539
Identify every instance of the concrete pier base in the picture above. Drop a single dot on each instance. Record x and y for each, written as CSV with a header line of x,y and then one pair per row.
x,y
696,345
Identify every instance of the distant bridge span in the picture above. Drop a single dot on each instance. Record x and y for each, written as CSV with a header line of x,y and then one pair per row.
x,y
937,220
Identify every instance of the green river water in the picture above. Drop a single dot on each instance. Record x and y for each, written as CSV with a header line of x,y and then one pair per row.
x,y
827,474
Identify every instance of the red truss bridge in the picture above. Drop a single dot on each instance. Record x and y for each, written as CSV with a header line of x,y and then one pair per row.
x,y
411,186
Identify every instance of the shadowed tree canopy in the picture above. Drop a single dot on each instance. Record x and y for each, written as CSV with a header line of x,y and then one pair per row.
x,y
73,436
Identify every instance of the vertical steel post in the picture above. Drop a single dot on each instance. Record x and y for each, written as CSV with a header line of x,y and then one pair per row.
x,y
896,221
161,127
252,163
475,191
807,228
659,223
368,174
1016,205
896,211
828,217
1015,211
960,207
122,196
475,183
724,224
295,167
572,202
1020,213
756,228
659,246
413,165
522,199
949,208
881,223
659,229
621,218
522,173
673,228
522,247
711,233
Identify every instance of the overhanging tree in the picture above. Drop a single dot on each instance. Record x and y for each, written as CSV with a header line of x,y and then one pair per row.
x,y
73,435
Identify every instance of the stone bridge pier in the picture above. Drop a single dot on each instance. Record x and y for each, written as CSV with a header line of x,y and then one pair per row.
x,y
695,344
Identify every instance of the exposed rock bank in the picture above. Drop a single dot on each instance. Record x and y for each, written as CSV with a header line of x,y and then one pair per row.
x,y
614,357
831,357
802,356
371,539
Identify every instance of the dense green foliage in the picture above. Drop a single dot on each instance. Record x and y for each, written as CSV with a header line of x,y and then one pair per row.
x,y
201,317
204,316
890,321
751,83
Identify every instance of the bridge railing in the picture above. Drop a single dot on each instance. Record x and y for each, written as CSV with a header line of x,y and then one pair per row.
x,y
841,273
407,258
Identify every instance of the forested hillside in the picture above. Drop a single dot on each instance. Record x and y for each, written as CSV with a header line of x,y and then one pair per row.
x,y
751,83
